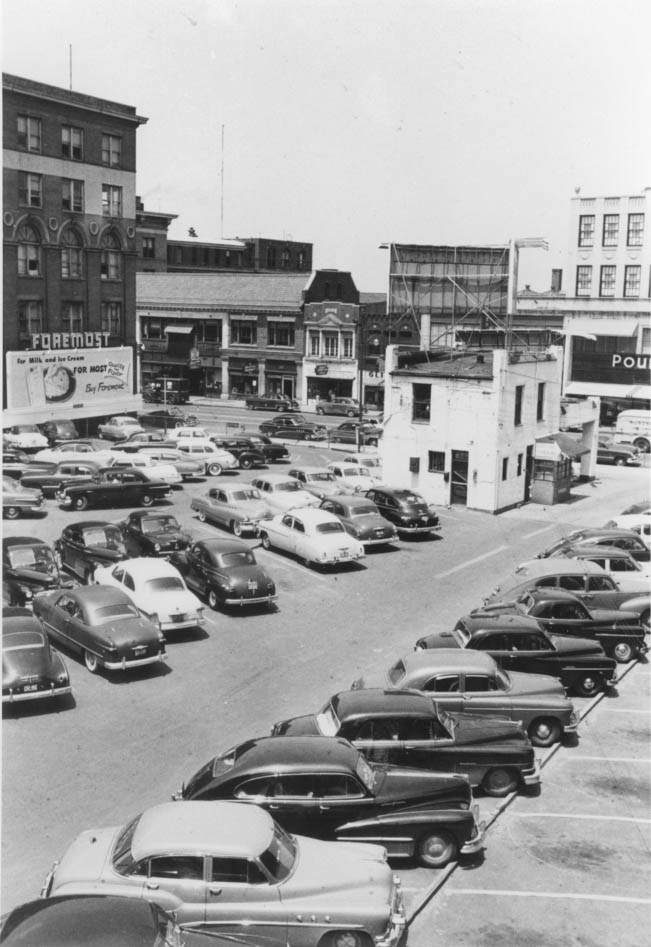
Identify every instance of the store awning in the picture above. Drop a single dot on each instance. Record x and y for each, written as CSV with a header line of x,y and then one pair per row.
x,y
602,390
614,325
180,330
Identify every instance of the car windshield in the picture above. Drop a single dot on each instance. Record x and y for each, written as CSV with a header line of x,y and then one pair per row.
x,y
397,672
27,429
279,857
288,486
110,612
122,858
365,772
24,640
330,527
252,494
107,536
243,558
328,722
324,477
462,634
159,524
166,583
503,680
38,558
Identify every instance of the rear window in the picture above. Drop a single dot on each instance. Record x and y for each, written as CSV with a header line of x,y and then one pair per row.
x,y
22,640
110,612
237,559
330,528
166,583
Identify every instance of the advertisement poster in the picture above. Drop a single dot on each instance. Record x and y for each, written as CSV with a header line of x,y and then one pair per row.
x,y
73,378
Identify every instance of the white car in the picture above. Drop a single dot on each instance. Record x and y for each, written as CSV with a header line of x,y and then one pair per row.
x,y
183,432
24,437
640,523
119,428
314,536
169,455
157,590
283,493
80,451
353,478
213,459
371,462
152,468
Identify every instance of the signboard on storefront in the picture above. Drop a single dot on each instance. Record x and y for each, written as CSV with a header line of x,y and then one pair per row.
x,y
321,369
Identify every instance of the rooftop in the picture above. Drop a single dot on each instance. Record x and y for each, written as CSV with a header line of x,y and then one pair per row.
x,y
263,291
66,97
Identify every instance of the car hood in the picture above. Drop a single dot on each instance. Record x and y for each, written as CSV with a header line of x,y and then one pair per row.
x,y
254,509
32,662
168,538
421,787
32,577
348,871
109,555
325,489
534,685
476,730
87,859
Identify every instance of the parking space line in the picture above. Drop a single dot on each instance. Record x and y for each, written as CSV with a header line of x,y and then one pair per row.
x,y
554,895
585,818
607,759
624,710
537,532
471,562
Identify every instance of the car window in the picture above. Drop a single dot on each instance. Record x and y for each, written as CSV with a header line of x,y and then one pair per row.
x,y
600,583
547,582
333,785
260,786
495,642
178,867
443,684
287,520
384,729
299,527
420,728
295,785
572,582
477,683
236,870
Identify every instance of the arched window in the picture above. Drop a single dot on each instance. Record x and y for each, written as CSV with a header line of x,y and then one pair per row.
x,y
29,252
72,255
111,264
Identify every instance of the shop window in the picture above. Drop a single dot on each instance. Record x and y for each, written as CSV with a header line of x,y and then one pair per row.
x,y
421,402
436,461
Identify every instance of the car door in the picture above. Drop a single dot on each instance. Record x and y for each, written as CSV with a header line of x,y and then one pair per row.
x,y
243,903
73,551
71,624
483,697
447,689
173,877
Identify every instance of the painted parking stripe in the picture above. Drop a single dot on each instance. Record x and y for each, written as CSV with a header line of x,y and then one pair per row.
x,y
471,562
624,710
537,532
607,759
554,895
584,818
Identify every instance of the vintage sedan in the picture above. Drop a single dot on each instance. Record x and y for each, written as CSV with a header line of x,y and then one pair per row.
x,y
361,518
226,573
29,566
371,461
271,402
18,500
135,442
355,432
24,437
325,788
622,455
319,481
119,428
618,632
84,546
238,507
212,459
16,463
153,534
629,574
282,493
472,683
405,728
166,417
626,539
316,537
81,451
181,854
346,406
274,453
103,625
114,486
31,668
353,478
407,510
518,643
294,427
152,468
157,590
186,467
64,473
246,455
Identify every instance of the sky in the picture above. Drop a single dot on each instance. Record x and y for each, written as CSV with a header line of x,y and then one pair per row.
x,y
354,123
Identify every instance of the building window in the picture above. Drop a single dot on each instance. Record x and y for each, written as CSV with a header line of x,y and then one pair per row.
x,y
111,260
212,331
330,344
519,395
152,329
244,333
281,333
436,461
30,316
646,341
111,200
540,404
271,257
421,399
29,252
586,230
112,150
72,142
112,318
301,259
72,195
315,343
72,317
611,230
30,189
29,133
635,231
72,256
505,468
284,262
148,248
632,280
520,461
347,344
607,281
583,280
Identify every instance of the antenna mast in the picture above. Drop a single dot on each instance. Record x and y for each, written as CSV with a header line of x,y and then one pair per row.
x,y
222,189
70,64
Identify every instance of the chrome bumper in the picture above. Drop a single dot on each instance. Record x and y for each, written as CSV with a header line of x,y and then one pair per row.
x,y
136,663
12,698
476,843
532,779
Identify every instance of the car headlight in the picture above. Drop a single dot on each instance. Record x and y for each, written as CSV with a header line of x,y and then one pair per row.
x,y
156,547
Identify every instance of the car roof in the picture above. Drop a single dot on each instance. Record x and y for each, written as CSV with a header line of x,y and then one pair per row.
x,y
230,829
20,622
359,500
593,532
587,551
220,546
452,660
309,470
533,568
146,567
312,514
377,701
96,596
90,524
322,754
9,541
274,478
496,621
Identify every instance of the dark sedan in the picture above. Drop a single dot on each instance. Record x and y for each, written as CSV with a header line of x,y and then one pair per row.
x,y
103,624
114,486
407,729
273,453
135,442
518,643
16,464
361,518
355,432
626,539
225,572
409,512
63,475
271,402
247,455
29,566
324,787
153,534
31,668
84,546
293,427
622,455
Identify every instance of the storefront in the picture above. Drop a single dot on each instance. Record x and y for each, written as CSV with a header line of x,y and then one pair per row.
x,y
280,378
243,376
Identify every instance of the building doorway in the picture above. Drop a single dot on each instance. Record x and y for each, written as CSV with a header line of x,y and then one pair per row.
x,y
528,473
459,477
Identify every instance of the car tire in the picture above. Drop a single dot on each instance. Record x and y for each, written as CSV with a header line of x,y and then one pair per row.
x,y
202,516
623,652
345,939
236,528
319,411
179,424
91,661
588,685
146,499
213,601
246,463
80,503
214,469
642,444
12,512
264,539
350,414
544,731
437,848
499,781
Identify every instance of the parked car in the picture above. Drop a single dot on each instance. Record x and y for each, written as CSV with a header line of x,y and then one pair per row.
x,y
226,573
316,537
518,643
318,481
622,455
639,523
152,468
167,391
353,478
619,633
186,467
119,427
157,590
271,402
212,459
153,534
292,426
135,442
84,546
26,437
80,451
114,486
355,432
238,507
67,472
31,668
176,853
168,417
347,406
282,493
247,456
370,461
405,728
18,500
361,518
188,431
453,681
325,788
29,566
626,539
103,625
58,431
16,463
630,575
406,509
273,452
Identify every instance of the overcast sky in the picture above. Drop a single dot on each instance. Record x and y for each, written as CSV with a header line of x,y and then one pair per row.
x,y
351,123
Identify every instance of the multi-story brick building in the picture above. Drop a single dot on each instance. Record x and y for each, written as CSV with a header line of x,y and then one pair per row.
x,y
69,229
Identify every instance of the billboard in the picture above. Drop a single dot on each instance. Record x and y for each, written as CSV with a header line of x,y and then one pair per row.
x,y
77,378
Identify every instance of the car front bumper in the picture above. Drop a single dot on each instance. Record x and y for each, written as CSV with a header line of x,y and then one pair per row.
x,y
572,725
189,621
476,842
532,777
412,530
397,925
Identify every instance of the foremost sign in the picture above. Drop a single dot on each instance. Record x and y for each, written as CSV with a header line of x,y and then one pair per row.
x,y
624,360
69,340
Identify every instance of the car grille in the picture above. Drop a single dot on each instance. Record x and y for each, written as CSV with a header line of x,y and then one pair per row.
x,y
181,617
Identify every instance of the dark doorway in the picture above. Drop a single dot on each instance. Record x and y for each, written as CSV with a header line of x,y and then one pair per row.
x,y
528,473
459,477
